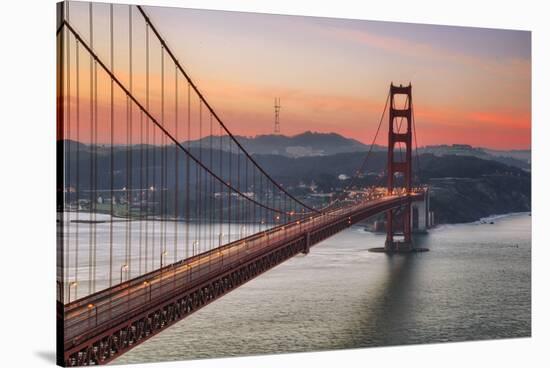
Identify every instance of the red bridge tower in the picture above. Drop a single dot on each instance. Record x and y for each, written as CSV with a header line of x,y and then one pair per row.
x,y
397,164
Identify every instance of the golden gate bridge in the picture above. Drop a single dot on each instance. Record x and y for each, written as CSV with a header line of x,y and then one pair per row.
x,y
163,211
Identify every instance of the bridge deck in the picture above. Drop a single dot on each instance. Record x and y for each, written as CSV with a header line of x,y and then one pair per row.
x,y
102,313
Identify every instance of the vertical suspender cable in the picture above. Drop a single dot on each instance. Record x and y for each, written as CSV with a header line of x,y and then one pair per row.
x,y
176,167
112,151
91,197
200,183
197,202
162,247
95,178
221,189
68,142
155,195
229,191
77,183
129,164
147,152
187,173
238,200
141,190
61,152
211,192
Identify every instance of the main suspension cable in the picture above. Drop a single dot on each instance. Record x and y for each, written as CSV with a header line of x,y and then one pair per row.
x,y
115,79
212,111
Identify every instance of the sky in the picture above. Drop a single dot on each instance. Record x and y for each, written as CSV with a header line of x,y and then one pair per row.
x,y
470,85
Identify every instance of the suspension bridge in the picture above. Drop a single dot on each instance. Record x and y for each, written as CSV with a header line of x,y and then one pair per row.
x,y
161,210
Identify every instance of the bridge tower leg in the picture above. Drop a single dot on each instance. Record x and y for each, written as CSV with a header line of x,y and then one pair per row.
x,y
399,164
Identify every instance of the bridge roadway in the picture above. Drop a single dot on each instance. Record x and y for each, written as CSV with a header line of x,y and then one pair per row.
x,y
97,315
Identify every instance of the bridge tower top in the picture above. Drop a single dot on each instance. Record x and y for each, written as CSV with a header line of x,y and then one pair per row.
x,y
397,137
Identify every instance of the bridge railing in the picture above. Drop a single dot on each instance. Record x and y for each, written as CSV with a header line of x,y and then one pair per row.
x,y
184,276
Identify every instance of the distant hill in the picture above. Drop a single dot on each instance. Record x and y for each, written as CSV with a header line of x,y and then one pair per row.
x,y
307,144
467,182
464,187
312,144
523,155
517,158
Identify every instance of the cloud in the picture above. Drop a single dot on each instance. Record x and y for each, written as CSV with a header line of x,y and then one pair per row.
x,y
516,120
510,66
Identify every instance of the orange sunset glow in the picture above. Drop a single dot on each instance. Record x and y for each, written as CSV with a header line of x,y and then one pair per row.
x,y
332,75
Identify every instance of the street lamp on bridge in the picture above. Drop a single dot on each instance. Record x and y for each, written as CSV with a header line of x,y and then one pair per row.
x,y
72,284
162,256
124,268
90,307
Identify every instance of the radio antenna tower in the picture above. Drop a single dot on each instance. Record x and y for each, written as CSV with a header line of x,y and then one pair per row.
x,y
277,109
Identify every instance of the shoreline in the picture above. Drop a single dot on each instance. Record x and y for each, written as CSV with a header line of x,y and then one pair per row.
x,y
481,221
488,220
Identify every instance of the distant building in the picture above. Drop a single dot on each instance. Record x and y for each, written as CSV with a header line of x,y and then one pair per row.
x,y
313,186
301,151
462,146
321,195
